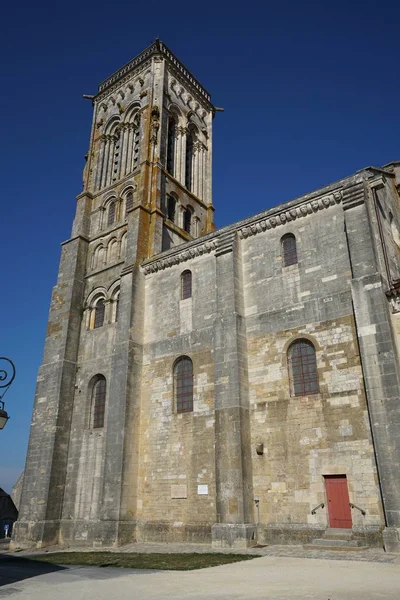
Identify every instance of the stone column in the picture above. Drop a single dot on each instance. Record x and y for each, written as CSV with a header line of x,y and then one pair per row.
x,y
195,165
121,152
182,159
118,509
378,352
110,164
105,161
124,149
235,526
46,465
100,162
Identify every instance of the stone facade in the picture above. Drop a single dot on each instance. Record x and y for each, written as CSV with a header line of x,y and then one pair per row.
x,y
250,460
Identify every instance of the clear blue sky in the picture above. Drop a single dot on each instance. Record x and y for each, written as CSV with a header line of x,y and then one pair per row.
x,y
310,91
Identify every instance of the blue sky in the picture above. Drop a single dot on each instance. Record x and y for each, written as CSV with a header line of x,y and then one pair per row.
x,y
310,91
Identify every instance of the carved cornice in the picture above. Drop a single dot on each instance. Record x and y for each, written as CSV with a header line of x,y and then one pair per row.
x,y
155,49
291,214
353,195
108,91
181,256
223,241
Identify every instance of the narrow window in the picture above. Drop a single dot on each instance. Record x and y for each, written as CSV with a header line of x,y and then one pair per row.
x,y
186,285
123,245
112,254
189,161
289,250
116,313
99,313
183,384
111,214
171,146
129,201
302,364
171,206
99,402
187,220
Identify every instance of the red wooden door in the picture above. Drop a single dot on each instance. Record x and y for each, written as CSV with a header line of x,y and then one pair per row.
x,y
337,496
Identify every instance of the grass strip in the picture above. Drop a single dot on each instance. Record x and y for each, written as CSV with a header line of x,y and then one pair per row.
x,y
168,562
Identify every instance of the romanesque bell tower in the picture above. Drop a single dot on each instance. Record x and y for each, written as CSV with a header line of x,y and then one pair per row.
x,y
147,187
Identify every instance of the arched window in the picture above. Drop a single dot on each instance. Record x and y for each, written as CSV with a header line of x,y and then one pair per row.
x,y
123,245
129,201
189,160
112,252
115,306
116,313
98,258
98,402
111,213
289,250
171,145
187,219
183,384
186,285
171,207
99,312
302,365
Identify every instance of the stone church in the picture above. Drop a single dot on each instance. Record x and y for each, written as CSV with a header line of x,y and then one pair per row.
x,y
221,387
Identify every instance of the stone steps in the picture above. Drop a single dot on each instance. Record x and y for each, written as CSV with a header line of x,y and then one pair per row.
x,y
334,542
335,548
336,539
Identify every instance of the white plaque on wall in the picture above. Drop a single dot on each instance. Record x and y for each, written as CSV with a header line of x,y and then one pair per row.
x,y
202,490
179,491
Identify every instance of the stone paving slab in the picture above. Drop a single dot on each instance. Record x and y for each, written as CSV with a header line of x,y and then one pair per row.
x,y
266,578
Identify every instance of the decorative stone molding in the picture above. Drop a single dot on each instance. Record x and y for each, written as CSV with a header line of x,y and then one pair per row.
x,y
394,297
182,256
291,214
157,48
155,124
353,195
125,80
223,241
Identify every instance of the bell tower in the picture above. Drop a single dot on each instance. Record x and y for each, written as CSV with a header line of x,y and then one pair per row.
x,y
146,188
151,151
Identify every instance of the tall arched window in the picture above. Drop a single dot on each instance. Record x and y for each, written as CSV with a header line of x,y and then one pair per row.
x,y
186,285
98,402
189,160
98,257
111,213
116,313
187,219
112,251
99,312
129,201
115,306
123,245
171,145
171,208
302,365
183,384
289,250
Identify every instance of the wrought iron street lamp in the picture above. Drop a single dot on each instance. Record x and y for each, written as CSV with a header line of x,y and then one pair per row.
x,y
7,376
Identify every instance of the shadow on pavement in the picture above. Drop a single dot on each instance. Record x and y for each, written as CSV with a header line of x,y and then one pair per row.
x,y
14,568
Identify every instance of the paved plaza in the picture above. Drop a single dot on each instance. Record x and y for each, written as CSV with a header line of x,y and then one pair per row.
x,y
280,573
